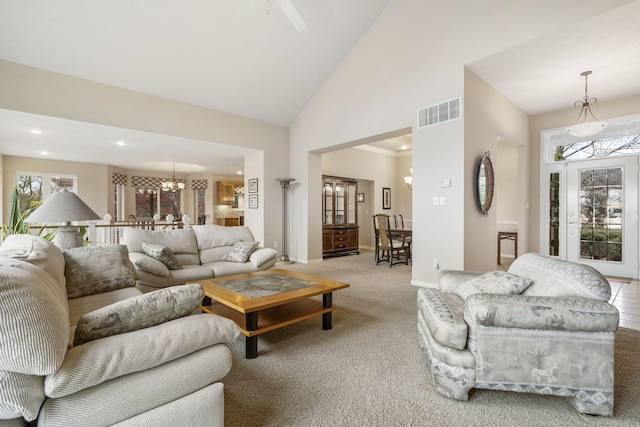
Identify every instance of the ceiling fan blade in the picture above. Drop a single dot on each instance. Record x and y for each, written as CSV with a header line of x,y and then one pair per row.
x,y
253,6
294,17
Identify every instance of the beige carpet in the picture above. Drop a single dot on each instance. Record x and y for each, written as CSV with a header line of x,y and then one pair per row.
x,y
369,371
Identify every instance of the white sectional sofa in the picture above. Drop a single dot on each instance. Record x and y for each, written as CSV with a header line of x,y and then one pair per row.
x,y
80,345
202,252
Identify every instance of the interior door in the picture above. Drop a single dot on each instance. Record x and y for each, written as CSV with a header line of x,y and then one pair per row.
x,y
602,215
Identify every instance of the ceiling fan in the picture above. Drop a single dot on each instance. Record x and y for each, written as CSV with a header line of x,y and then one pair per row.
x,y
287,8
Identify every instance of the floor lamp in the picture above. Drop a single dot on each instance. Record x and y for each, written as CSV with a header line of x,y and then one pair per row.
x,y
284,182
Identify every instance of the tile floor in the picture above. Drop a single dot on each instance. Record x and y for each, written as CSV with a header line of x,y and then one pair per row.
x,y
626,297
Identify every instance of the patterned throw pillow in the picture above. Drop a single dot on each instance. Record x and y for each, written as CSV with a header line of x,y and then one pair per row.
x,y
162,254
241,251
92,270
139,312
493,282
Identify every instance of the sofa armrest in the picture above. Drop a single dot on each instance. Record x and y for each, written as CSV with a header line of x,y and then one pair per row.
x,y
107,358
448,280
261,256
545,313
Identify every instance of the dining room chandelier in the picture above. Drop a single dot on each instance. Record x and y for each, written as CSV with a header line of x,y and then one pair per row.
x,y
174,184
586,124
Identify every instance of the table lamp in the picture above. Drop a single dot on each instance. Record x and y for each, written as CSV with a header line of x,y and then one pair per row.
x,y
64,206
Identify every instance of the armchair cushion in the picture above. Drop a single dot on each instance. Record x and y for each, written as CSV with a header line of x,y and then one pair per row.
x,y
95,269
101,360
140,312
444,316
554,277
493,282
545,313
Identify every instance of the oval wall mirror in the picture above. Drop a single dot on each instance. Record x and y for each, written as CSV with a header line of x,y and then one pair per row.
x,y
485,183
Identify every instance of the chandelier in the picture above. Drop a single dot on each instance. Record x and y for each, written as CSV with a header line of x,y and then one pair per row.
x,y
586,127
174,184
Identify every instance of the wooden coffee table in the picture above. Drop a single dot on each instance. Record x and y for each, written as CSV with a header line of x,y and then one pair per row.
x,y
267,300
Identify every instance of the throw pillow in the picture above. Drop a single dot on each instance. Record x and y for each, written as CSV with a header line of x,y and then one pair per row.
x,y
493,282
139,312
162,254
92,270
151,265
241,251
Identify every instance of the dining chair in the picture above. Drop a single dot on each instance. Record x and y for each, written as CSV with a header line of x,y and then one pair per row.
x,y
388,248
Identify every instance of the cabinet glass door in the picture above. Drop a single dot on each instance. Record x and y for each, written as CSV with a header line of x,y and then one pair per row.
x,y
351,203
340,204
327,204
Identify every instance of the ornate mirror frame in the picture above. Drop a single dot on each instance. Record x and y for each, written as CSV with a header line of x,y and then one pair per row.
x,y
484,183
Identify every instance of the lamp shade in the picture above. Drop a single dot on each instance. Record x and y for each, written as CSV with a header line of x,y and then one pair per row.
x,y
62,206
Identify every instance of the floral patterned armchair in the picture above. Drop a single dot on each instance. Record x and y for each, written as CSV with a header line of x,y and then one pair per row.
x,y
544,327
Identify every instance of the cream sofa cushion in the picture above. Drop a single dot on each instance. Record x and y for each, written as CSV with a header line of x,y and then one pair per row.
x,y
211,236
34,321
101,360
21,395
181,242
37,251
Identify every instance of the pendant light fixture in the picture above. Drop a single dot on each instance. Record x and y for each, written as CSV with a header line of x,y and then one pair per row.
x,y
174,184
586,124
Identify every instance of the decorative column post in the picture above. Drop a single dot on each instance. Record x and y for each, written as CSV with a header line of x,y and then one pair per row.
x,y
284,182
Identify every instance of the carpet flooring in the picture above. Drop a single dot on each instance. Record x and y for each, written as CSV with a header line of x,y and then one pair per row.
x,y
369,371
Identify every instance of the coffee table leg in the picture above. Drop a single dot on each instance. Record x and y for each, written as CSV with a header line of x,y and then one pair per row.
x,y
251,343
327,300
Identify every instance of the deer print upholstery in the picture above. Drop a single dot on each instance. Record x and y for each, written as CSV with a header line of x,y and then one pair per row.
x,y
556,336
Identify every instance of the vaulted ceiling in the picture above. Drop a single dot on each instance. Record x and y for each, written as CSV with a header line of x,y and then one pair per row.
x,y
252,62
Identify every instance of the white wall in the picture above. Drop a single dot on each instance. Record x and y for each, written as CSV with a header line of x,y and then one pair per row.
x,y
42,92
405,62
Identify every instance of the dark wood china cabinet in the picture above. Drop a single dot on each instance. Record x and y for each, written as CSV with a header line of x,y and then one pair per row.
x,y
339,216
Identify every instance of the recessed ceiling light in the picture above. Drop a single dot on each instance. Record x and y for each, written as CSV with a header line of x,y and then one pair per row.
x,y
36,131
121,143
239,172
404,147
44,153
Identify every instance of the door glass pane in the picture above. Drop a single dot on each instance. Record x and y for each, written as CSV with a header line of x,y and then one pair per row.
x,y
601,210
554,214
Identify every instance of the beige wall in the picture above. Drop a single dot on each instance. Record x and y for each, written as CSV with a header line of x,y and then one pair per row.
x,y
42,92
93,179
489,115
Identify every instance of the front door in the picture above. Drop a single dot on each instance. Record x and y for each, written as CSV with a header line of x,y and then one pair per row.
x,y
602,215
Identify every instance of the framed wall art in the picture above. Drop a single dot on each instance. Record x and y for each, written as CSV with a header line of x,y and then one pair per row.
x,y
253,201
253,185
386,198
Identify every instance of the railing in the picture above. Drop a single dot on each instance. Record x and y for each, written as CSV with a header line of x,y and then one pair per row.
x,y
111,232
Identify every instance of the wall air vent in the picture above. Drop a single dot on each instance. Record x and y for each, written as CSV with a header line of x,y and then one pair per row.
x,y
440,113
